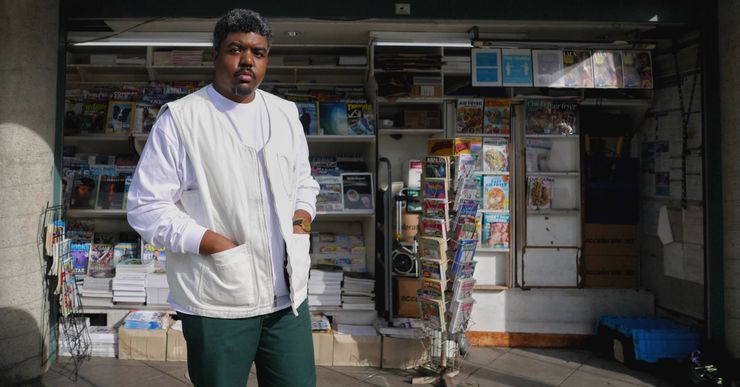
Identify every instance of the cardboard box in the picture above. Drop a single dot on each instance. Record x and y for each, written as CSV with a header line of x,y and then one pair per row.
x,y
177,349
323,348
611,271
363,351
426,91
142,344
611,239
404,353
404,290
422,119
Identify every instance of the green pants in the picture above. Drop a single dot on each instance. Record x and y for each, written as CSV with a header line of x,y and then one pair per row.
x,y
221,351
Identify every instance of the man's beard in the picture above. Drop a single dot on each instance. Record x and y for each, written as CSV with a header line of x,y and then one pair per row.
x,y
242,92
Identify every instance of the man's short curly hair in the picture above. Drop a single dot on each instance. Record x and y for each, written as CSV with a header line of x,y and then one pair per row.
x,y
240,20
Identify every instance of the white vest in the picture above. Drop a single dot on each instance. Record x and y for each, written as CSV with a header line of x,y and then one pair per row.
x,y
237,283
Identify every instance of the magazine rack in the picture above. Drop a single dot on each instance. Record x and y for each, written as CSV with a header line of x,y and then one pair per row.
x,y
449,202
62,283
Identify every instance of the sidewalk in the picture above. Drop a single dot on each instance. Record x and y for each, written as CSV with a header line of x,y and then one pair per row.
x,y
482,367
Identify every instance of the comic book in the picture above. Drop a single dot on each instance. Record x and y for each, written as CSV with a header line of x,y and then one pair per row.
x,y
437,167
100,263
432,248
80,255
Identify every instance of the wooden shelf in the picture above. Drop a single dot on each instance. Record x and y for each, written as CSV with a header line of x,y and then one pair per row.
x,y
481,173
492,250
490,287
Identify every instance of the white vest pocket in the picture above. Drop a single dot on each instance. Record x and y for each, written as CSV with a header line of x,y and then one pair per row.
x,y
227,279
300,261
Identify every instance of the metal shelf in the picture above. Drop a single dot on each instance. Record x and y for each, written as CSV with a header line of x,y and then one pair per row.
x,y
409,131
492,250
490,287
345,215
92,213
340,138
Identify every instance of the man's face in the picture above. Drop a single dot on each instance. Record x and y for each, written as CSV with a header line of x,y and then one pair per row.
x,y
240,63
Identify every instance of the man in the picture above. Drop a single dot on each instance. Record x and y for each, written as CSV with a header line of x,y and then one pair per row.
x,y
224,184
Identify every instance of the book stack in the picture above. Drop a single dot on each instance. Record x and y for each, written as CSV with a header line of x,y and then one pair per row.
x,y
129,284
456,64
358,292
325,286
187,57
97,292
157,289
104,341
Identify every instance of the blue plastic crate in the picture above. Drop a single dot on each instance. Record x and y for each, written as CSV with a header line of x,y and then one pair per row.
x,y
654,338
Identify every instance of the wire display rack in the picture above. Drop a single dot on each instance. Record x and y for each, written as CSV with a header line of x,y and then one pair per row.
x,y
74,338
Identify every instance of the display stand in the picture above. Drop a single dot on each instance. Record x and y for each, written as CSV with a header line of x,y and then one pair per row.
x,y
447,242
63,284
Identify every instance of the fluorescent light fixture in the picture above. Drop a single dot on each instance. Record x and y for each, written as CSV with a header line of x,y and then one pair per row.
x,y
420,39
424,44
123,43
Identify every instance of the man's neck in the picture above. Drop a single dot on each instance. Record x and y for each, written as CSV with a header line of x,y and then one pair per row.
x,y
230,95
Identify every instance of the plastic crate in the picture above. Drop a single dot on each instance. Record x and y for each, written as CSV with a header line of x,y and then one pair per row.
x,y
651,339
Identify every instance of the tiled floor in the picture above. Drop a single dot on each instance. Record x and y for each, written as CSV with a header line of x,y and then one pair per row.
x,y
482,367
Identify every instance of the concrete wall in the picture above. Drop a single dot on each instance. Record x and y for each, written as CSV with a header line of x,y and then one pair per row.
x,y
729,48
555,311
28,37
673,271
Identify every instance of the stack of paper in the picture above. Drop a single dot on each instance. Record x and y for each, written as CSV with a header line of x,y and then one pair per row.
x,y
325,286
157,289
96,292
358,292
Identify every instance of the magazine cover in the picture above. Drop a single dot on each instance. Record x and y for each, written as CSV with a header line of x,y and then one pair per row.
x,y
539,192
437,167
433,269
432,248
496,193
360,118
433,228
497,116
495,230
433,313
577,68
495,155
144,118
432,288
151,253
551,117
111,193
463,270
357,191
333,118
469,116
434,189
80,254
461,311
80,230
462,251
465,228
637,69
548,68
308,113
607,69
329,198
120,117
126,254
538,154
100,262
469,189
84,192
434,208
92,118
462,288
517,67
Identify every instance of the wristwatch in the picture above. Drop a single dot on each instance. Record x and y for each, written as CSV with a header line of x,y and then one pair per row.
x,y
303,224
